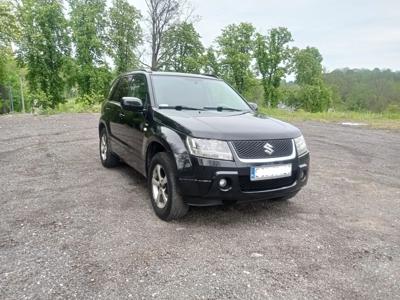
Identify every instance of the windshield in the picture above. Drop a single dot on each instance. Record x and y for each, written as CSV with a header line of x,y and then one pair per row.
x,y
194,92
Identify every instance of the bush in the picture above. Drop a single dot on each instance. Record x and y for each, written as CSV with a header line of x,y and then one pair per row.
x,y
290,95
315,98
39,100
254,91
393,109
312,98
72,106
90,99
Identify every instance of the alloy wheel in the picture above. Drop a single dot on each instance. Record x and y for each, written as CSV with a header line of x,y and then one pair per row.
x,y
103,147
159,184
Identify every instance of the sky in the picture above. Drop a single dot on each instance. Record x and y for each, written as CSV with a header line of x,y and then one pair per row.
x,y
353,33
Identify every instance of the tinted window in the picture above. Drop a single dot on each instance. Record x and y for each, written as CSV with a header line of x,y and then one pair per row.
x,y
112,90
195,92
122,89
138,87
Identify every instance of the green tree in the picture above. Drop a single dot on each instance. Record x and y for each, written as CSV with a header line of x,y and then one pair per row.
x,y
313,98
211,64
9,70
43,47
9,29
314,95
182,49
88,23
124,35
272,53
236,47
308,66
359,89
10,81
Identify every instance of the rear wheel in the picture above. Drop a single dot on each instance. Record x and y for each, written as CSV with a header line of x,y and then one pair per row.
x,y
167,202
108,159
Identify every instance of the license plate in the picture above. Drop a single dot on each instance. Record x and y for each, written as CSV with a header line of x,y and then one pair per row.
x,y
270,172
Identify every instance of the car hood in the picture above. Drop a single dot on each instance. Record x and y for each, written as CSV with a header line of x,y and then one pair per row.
x,y
227,126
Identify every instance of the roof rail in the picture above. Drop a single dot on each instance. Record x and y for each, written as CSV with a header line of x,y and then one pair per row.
x,y
135,70
142,70
210,75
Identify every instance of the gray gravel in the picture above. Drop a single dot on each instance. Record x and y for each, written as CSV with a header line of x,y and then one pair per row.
x,y
70,228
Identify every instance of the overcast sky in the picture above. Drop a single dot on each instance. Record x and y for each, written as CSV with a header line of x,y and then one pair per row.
x,y
353,33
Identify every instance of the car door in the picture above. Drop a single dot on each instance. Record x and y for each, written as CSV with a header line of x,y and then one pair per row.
x,y
114,111
134,123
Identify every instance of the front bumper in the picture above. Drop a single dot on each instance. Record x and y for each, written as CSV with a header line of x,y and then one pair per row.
x,y
201,188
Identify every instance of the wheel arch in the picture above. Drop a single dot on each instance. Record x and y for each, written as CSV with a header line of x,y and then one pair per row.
x,y
154,146
170,142
102,125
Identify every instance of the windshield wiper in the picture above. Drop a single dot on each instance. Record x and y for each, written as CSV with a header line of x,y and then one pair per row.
x,y
180,107
221,108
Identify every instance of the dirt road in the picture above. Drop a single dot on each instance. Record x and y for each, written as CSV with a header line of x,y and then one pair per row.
x,y
70,228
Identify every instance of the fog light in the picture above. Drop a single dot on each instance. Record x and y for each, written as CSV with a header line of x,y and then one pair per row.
x,y
222,183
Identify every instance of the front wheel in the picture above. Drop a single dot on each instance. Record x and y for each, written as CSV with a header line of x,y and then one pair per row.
x,y
167,203
108,159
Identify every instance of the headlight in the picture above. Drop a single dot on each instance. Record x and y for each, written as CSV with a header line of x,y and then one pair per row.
x,y
209,148
300,145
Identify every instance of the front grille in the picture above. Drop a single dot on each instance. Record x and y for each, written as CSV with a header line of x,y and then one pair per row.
x,y
257,150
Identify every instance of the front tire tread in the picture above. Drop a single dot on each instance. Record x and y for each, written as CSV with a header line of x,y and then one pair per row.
x,y
111,160
176,207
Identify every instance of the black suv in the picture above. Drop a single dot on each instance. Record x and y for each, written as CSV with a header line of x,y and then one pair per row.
x,y
198,142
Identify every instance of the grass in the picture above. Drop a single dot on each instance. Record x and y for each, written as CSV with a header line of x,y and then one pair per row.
x,y
385,120
71,106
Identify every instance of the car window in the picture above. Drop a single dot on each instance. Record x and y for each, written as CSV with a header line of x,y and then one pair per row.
x,y
138,87
122,89
112,90
174,90
114,93
195,92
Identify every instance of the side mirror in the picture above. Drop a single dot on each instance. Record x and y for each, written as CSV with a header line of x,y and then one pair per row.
x,y
132,103
253,106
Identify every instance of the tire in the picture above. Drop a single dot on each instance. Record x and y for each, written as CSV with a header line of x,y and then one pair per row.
x,y
108,159
167,202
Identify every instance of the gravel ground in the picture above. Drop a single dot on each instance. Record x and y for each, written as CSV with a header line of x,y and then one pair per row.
x,y
70,228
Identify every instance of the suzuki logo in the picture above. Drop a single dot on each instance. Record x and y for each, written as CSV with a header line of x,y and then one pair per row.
x,y
268,148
